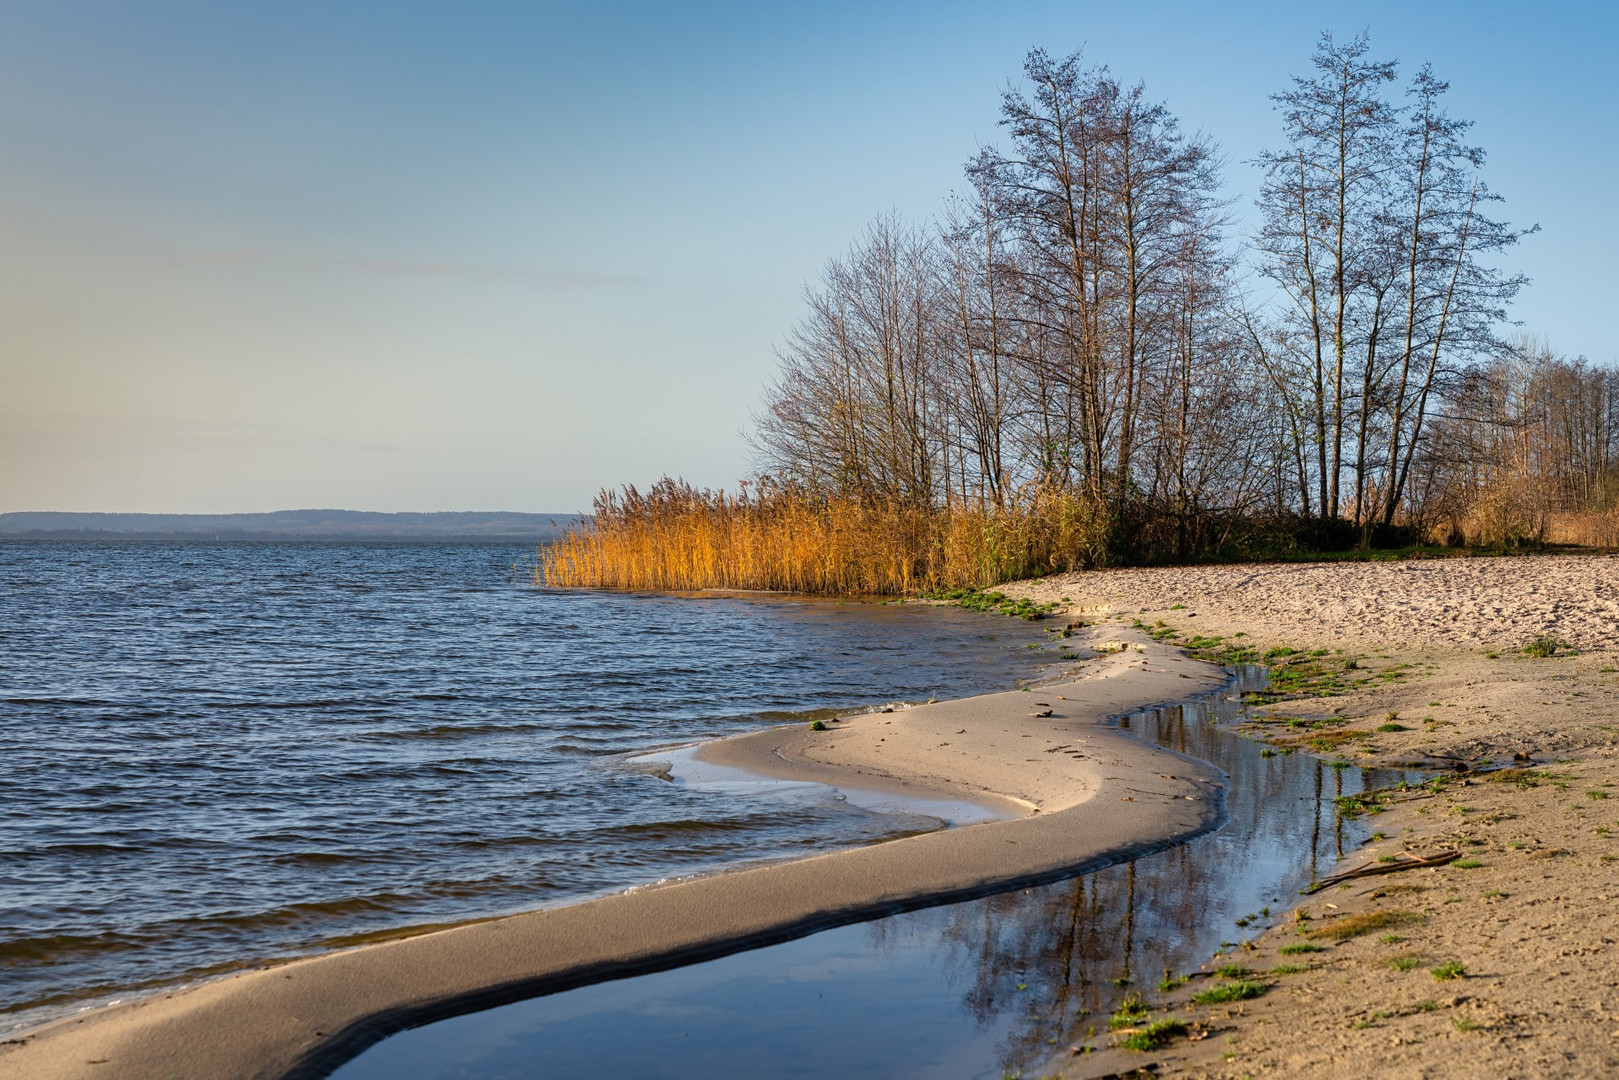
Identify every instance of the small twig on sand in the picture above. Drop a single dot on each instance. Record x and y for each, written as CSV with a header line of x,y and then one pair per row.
x,y
1413,863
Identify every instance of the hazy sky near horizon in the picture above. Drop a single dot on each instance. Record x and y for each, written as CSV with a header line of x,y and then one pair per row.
x,y
411,256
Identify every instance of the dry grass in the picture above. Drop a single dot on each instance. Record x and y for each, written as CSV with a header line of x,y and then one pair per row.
x,y
1355,925
677,537
1509,517
1595,528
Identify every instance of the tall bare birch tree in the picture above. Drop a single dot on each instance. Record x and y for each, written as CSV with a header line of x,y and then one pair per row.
x,y
1453,300
1320,200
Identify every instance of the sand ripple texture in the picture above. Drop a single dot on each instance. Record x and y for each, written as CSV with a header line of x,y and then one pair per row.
x,y
1495,603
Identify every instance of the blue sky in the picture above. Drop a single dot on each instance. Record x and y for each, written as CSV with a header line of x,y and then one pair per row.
x,y
474,256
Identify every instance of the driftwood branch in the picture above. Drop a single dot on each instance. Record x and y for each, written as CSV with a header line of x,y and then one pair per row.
x,y
1415,862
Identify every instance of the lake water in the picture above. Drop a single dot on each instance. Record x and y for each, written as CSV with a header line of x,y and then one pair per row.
x,y
213,754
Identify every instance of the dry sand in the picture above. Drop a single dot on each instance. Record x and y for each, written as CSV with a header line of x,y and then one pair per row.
x,y
1534,925
1087,796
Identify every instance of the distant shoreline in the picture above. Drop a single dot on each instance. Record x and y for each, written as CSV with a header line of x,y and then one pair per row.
x,y
493,527
277,538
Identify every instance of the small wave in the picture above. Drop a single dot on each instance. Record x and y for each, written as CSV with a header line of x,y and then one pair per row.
x,y
446,731
109,808
280,838
319,858
792,716
575,748
98,790
670,830
291,914
301,704
60,947
88,849
480,842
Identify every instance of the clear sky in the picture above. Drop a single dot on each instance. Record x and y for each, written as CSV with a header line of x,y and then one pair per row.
x,y
409,256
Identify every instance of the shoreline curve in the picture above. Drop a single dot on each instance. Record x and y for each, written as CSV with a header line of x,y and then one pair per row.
x,y
1087,796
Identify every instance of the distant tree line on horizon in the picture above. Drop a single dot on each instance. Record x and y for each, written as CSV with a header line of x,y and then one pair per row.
x,y
1078,363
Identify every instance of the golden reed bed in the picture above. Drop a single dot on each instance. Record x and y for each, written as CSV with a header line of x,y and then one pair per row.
x,y
676,537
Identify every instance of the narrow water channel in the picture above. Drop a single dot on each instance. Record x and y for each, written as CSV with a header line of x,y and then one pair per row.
x,y
985,989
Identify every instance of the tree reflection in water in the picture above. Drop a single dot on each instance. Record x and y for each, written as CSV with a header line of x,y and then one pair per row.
x,y
1042,966
985,988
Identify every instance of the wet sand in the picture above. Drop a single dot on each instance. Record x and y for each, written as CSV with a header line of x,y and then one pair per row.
x,y
1087,796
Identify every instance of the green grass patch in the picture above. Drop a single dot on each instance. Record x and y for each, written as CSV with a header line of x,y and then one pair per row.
x,y
1367,802
1449,970
1524,778
1236,990
993,603
1131,1012
1155,1036
1542,646
1298,948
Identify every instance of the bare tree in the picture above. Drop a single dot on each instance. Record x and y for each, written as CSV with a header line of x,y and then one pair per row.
x,y
1453,300
1320,202
854,410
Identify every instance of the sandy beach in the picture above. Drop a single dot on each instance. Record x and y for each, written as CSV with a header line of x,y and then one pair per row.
x,y
1082,794
1522,923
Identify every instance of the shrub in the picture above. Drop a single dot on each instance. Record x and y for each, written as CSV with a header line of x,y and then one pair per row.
x,y
1543,646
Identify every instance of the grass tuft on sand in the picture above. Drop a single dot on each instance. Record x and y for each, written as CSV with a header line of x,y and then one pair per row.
x,y
1351,926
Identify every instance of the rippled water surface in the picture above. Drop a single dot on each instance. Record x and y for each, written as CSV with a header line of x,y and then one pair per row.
x,y
215,753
